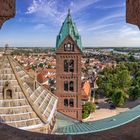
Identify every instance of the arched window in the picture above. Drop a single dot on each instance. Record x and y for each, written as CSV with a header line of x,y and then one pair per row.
x,y
72,47
65,47
71,65
68,47
66,86
66,66
71,86
71,103
66,102
8,94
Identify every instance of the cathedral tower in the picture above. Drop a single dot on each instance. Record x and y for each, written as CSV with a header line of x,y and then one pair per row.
x,y
68,69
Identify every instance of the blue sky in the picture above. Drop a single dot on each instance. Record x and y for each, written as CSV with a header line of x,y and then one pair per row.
x,y
101,23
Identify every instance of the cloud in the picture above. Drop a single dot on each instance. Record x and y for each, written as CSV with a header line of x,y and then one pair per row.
x,y
129,32
100,27
110,17
55,10
125,36
104,7
80,5
45,9
105,22
39,26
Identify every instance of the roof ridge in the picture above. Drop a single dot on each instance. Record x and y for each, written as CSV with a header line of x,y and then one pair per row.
x,y
28,99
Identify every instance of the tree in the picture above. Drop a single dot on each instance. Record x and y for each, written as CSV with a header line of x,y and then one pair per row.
x,y
124,79
105,84
138,74
134,92
33,67
118,97
131,58
87,109
40,65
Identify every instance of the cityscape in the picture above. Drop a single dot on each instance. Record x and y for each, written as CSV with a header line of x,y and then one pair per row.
x,y
71,88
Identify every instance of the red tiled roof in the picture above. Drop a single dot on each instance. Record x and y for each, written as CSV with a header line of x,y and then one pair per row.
x,y
41,78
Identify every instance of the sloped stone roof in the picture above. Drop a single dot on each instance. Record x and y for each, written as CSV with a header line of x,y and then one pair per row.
x,y
28,108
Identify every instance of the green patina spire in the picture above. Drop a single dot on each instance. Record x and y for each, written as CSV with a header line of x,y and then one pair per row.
x,y
68,28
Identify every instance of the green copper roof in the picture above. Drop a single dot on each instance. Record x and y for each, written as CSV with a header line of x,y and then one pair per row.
x,y
74,128
69,28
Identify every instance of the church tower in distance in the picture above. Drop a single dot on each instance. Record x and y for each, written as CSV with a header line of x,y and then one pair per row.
x,y
68,69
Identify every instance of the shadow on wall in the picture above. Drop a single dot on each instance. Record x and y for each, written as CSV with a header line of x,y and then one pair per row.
x,y
129,131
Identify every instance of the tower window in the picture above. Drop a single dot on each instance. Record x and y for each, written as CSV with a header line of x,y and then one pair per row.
x,y
72,47
66,103
71,103
71,66
71,86
66,65
69,47
66,86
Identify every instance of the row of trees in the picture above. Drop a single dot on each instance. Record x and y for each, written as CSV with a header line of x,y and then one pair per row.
x,y
27,51
120,83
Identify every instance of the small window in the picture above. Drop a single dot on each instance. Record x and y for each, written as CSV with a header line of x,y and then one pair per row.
x,y
66,102
71,103
66,87
72,47
71,86
9,94
66,66
65,47
71,66
69,47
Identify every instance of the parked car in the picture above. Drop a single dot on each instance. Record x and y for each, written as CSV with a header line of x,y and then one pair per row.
x,y
97,107
111,106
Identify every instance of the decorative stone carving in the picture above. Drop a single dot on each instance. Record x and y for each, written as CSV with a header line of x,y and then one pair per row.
x,y
7,10
133,12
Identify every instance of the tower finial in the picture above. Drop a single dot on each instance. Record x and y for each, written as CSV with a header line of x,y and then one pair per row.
x,y
69,11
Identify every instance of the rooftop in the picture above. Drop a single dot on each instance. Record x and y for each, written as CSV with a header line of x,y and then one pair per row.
x,y
24,107
75,128
68,28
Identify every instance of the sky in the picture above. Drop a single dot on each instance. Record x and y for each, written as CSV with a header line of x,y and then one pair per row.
x,y
101,23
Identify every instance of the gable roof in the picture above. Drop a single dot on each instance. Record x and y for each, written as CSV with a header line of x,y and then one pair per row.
x,y
69,39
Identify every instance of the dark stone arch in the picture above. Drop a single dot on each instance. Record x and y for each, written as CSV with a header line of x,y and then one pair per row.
x,y
8,93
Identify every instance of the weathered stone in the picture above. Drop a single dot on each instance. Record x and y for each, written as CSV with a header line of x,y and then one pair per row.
x,y
7,10
133,12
